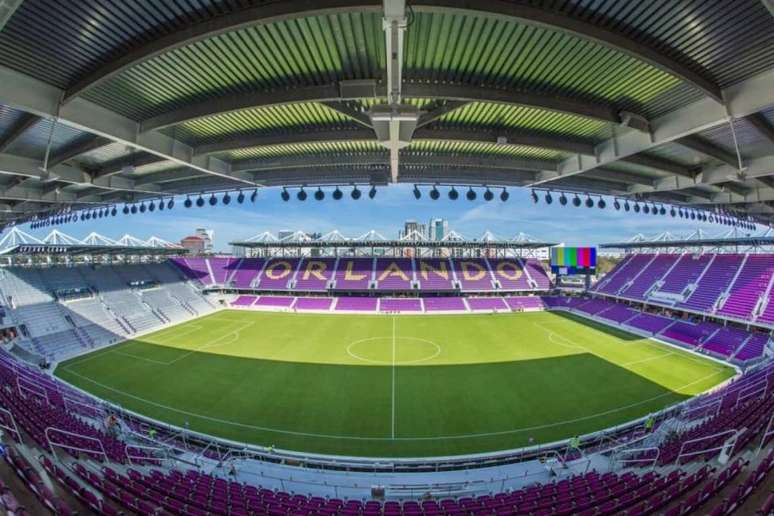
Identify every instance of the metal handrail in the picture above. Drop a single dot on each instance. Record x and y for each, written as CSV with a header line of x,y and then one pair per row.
x,y
52,444
14,428
734,435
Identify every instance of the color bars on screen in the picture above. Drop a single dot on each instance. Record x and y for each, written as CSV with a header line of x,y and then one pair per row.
x,y
574,257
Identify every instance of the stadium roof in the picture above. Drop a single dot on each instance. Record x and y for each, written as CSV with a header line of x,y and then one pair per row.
x,y
334,239
698,239
17,242
658,100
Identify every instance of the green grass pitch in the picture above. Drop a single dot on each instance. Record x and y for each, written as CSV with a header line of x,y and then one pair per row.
x,y
389,386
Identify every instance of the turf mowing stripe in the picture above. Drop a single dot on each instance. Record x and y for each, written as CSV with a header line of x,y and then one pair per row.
x,y
358,438
393,377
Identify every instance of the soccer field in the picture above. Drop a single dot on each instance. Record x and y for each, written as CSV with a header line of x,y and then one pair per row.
x,y
389,385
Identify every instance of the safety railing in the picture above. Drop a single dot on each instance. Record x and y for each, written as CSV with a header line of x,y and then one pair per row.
x,y
644,457
51,436
753,391
25,387
729,444
768,433
141,455
8,423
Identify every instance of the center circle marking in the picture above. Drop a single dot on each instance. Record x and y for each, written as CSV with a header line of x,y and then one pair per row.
x,y
356,356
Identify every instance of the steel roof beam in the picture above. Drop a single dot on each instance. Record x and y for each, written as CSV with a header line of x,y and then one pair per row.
x,y
531,139
31,95
21,126
706,147
619,177
265,13
262,140
438,111
345,91
664,165
735,188
557,103
762,125
92,143
506,137
482,176
588,30
30,168
351,112
742,99
407,157
119,165
311,161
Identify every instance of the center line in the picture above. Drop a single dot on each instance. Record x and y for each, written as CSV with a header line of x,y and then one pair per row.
x,y
393,377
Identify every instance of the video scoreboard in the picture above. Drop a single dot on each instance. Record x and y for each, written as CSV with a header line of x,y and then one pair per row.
x,y
573,260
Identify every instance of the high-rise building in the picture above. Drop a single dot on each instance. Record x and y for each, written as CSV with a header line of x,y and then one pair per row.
x,y
437,229
208,237
413,229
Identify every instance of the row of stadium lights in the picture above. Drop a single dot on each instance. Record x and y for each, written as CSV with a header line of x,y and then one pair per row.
x,y
453,194
653,208
70,216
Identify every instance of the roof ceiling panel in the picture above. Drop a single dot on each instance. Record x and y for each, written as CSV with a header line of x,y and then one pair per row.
x,y
308,115
682,155
296,52
751,142
275,151
56,41
34,141
727,40
477,114
496,51
448,147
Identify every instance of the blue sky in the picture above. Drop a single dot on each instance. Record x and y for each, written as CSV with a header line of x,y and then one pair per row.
x,y
386,213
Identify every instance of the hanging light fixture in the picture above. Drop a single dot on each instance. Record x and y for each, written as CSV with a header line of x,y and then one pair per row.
x,y
356,193
548,197
372,192
435,194
471,194
241,197
226,199
563,199
417,193
284,195
504,195
337,194
488,195
301,195
213,200
319,195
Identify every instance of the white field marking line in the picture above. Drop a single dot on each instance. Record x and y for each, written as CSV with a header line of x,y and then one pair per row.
x,y
393,377
646,341
157,362
235,334
357,438
552,333
650,359
382,362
